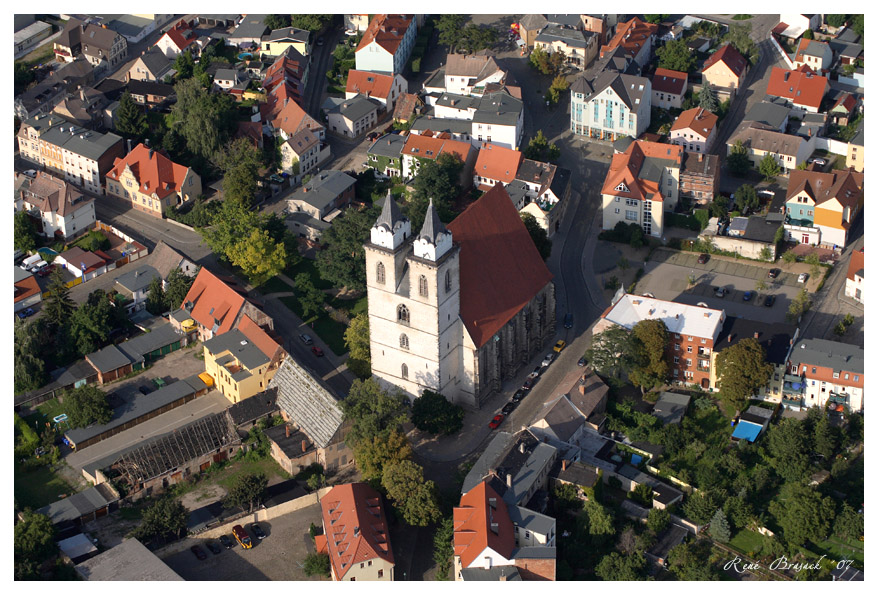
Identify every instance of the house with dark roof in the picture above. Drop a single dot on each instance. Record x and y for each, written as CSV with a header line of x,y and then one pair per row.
x,y
789,150
354,116
822,373
246,413
854,278
386,44
319,201
43,96
700,177
102,47
151,66
820,207
62,212
76,510
578,46
480,272
82,263
670,408
384,155
609,104
355,534
128,561
278,41
815,54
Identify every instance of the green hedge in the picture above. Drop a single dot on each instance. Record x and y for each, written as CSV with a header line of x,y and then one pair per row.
x,y
416,65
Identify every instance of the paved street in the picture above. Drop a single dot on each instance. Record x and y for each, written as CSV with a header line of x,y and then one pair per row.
x,y
278,557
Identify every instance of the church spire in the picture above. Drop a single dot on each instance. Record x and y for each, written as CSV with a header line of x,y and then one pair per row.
x,y
432,227
391,215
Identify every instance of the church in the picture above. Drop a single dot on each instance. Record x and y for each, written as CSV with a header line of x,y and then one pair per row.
x,y
456,309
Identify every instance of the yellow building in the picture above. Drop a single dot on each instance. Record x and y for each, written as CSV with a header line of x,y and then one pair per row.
x,y
855,156
277,42
242,361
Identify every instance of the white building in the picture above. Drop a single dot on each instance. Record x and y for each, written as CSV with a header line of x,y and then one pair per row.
x,y
62,210
611,106
387,44
854,280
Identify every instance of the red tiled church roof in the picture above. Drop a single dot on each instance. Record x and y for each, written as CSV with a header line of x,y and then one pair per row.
x,y
501,269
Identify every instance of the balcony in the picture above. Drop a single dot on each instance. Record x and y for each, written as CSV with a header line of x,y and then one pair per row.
x,y
798,403
793,385
840,398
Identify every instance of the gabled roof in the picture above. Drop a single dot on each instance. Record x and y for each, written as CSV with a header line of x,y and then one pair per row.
x,y
830,354
287,34
307,401
405,106
25,285
471,66
370,84
292,118
630,89
631,36
801,86
54,195
355,527
155,61
856,265
810,47
775,338
181,35
698,120
845,103
302,141
153,170
571,37
533,22
501,270
214,303
482,521
730,57
755,137
429,147
387,30
497,163
669,81
256,335
843,185
638,172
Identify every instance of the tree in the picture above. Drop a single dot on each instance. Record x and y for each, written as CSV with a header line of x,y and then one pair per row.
x,y
23,234
165,519
719,527
743,371
687,561
89,326
600,519
205,120
719,207
675,55
438,180
157,301
24,76
658,519
130,120
259,256
538,235
31,342
813,260
34,543
58,306
849,523
310,297
628,541
617,567
737,161
738,510
374,454
443,548
559,85
707,99
802,513
769,167
700,507
808,34
540,149
788,446
316,481
357,338
372,410
655,18
477,37
799,305
612,351
433,413
247,490
240,163
739,35
450,27
316,564
835,20
86,405
342,260
826,438
277,21
540,59
789,257
184,65
412,496
651,337
310,22
229,225
761,284
178,286
746,196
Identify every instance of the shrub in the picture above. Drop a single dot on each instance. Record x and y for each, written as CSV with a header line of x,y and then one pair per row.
x,y
432,412
316,565
702,217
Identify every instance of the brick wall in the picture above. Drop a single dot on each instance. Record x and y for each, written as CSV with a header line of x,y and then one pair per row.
x,y
536,569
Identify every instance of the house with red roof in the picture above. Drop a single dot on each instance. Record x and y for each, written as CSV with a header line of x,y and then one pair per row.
x,y
151,182
384,88
178,39
494,165
854,278
456,309
636,38
27,290
817,55
640,185
843,110
291,67
214,306
291,118
669,87
428,145
386,44
725,70
355,534
694,130
802,87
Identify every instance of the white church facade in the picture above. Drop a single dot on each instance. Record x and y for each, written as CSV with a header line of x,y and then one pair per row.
x,y
456,310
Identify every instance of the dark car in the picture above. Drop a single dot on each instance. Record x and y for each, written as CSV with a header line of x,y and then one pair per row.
x,y
703,258
518,395
496,421
770,299
773,273
257,530
46,271
317,351
25,313
508,408
227,543
199,553
144,389
569,320
528,384
748,295
215,549
320,41
581,362
306,339
720,291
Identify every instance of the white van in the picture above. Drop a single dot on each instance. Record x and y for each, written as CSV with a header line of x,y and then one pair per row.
x,y
36,268
30,261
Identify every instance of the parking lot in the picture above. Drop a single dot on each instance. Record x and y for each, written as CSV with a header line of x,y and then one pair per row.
x,y
278,557
666,278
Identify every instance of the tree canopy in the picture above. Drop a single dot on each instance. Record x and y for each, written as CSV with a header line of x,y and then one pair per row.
x,y
89,326
380,451
131,121
372,411
240,162
802,513
34,542
277,21
617,567
205,120
737,161
24,236
412,495
450,27
538,235
164,520
342,260
612,351
247,491
675,55
259,256
746,196
769,167
31,340
707,99
540,149
739,36
310,22
438,180
743,371
310,297
789,445
433,413
651,340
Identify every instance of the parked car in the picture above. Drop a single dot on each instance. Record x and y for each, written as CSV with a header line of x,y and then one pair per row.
x,y
569,320
748,295
25,313
199,553
306,339
144,389
582,361
770,299
31,173
257,530
528,384
317,351
560,344
215,549
276,179
320,41
350,33
548,359
773,273
47,270
227,543
372,136
720,291
496,421
818,161
518,395
802,278
703,258
766,192
508,408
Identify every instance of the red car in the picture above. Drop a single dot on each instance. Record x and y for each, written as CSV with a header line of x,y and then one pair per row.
x,y
496,421
317,351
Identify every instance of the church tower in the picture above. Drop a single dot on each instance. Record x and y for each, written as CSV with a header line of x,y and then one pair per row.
x,y
415,331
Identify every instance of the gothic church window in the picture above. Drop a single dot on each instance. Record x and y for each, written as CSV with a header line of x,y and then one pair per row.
x,y
404,342
448,281
404,371
402,314
380,273
422,286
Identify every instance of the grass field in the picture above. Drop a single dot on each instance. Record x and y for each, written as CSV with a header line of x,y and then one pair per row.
x,y
37,488
836,549
274,285
306,265
41,55
747,541
45,413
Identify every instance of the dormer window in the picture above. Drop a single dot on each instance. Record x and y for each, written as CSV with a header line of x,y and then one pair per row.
x,y
621,187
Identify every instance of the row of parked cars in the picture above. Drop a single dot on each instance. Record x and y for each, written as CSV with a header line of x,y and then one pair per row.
x,y
240,535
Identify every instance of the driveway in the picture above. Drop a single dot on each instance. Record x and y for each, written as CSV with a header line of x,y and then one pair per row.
x,y
278,557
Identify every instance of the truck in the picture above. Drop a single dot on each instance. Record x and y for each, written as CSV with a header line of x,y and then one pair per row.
x,y
242,537
31,261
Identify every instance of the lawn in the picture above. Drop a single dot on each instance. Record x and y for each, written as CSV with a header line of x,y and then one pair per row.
x,y
41,55
306,265
45,413
227,476
37,488
274,285
837,550
747,541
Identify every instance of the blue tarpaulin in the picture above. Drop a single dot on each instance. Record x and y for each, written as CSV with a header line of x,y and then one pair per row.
x,y
636,459
747,431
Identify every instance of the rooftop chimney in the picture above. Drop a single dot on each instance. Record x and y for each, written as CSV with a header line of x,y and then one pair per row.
x,y
756,334
304,446
564,464
488,562
522,447
287,430
509,480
